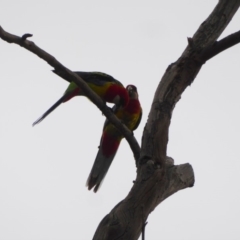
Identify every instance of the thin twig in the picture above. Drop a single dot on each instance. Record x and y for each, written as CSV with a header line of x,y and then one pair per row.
x,y
143,230
26,35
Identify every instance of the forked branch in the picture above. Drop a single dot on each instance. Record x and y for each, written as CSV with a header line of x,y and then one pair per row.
x,y
220,46
157,177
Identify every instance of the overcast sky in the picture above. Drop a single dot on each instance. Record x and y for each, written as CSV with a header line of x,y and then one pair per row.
x,y
43,170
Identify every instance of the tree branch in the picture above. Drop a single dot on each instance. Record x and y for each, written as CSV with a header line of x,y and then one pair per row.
x,y
220,46
177,77
156,178
23,42
119,224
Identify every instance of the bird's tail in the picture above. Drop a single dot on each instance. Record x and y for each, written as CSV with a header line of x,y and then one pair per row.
x,y
99,169
54,106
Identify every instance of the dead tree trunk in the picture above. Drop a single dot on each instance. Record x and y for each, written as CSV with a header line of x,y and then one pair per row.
x,y
157,177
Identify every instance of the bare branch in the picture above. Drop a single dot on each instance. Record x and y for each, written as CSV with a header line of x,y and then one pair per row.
x,y
126,219
178,76
21,41
220,46
157,178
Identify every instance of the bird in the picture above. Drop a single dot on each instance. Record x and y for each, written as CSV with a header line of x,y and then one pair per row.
x,y
129,115
105,86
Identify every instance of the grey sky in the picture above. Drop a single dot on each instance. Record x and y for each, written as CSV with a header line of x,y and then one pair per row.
x,y
43,170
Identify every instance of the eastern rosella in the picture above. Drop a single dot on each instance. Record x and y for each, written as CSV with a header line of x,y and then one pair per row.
x,y
111,138
104,85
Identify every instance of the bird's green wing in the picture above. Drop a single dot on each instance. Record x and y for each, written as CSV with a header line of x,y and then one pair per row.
x,y
96,78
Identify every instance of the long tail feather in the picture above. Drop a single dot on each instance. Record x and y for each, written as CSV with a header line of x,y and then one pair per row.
x,y
99,170
54,106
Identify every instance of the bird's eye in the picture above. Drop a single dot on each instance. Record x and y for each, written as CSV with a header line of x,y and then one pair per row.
x,y
131,88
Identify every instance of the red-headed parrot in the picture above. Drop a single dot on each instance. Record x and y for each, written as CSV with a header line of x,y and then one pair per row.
x,y
111,138
104,85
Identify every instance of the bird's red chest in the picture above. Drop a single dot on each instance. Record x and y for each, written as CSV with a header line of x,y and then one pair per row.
x,y
133,107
